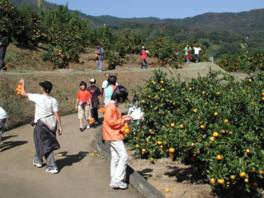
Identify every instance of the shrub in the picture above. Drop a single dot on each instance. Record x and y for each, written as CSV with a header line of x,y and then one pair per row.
x,y
213,123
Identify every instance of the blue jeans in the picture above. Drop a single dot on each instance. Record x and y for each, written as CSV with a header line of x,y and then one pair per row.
x,y
99,65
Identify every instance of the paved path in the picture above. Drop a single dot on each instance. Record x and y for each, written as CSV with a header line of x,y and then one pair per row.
x,y
82,175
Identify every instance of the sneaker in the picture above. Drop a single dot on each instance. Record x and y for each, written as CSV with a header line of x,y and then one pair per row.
x,y
37,164
52,170
119,185
88,127
82,129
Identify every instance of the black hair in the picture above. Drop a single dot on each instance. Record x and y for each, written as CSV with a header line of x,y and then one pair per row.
x,y
135,99
82,83
111,80
120,94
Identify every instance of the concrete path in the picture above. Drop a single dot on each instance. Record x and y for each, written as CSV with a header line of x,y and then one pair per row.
x,y
82,173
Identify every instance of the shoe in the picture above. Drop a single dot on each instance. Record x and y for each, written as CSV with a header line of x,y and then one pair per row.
x,y
88,127
82,129
52,170
37,164
119,185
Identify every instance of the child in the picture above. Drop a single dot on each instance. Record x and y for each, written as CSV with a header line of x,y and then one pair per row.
x,y
108,91
83,101
47,120
95,92
3,117
112,125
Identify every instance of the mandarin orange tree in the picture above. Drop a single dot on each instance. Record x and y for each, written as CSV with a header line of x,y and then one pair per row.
x,y
214,123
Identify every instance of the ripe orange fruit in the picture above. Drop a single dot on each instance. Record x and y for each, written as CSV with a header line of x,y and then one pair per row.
x,y
219,157
195,110
159,142
248,151
172,125
215,134
212,138
242,174
215,113
221,181
202,126
233,177
171,150
212,181
181,126
226,121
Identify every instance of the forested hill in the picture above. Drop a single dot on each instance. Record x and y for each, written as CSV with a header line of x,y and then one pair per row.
x,y
221,32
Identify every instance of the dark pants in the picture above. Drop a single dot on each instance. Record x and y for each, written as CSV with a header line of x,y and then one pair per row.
x,y
2,57
45,143
94,112
144,64
2,124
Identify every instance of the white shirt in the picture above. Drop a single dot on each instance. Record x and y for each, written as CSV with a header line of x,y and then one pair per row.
x,y
3,113
104,84
44,105
197,50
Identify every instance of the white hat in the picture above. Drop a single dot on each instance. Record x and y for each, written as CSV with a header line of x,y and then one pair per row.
x,y
92,80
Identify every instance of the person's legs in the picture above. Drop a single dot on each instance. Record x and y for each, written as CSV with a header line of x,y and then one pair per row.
x,y
2,124
51,165
114,161
101,65
37,160
119,172
2,57
80,116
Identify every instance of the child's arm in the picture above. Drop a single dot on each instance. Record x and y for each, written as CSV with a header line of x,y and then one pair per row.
x,y
58,118
76,104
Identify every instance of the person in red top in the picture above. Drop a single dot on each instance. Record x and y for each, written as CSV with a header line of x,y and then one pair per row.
x,y
83,101
143,57
112,125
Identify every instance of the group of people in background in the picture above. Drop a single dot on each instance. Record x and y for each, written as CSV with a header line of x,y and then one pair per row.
x,y
192,53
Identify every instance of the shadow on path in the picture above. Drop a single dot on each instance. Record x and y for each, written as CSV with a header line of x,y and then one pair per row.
x,y
10,144
69,160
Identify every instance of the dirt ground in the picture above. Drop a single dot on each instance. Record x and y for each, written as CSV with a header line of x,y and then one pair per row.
x,y
83,172
173,179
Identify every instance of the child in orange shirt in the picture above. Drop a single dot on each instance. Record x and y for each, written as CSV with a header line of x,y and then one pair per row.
x,y
113,122
83,101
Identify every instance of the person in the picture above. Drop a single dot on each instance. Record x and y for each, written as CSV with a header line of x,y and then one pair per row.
x,y
188,53
4,42
47,121
95,93
109,90
197,53
112,125
143,58
83,101
3,118
99,58
105,82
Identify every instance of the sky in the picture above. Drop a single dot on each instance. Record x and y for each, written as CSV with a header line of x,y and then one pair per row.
x,y
159,8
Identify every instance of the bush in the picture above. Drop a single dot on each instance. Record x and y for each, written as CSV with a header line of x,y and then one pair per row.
x,y
213,123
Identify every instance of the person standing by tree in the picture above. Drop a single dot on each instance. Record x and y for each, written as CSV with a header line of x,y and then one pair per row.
x,y
47,121
188,54
143,58
95,92
112,132
3,117
4,42
100,55
197,50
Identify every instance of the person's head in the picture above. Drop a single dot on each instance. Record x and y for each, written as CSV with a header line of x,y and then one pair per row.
x,y
46,86
83,85
120,94
143,47
92,81
112,80
107,75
